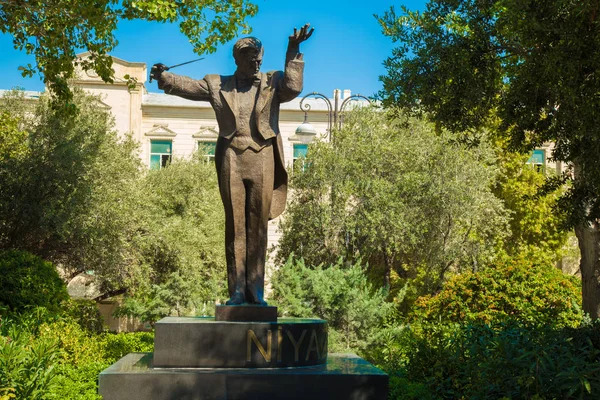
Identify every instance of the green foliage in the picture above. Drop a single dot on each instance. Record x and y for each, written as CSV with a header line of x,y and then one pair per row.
x,y
54,32
535,222
119,345
27,366
180,250
7,393
339,293
523,67
28,281
27,362
76,345
77,382
69,198
508,362
401,388
75,194
14,140
85,354
528,289
85,313
43,356
395,192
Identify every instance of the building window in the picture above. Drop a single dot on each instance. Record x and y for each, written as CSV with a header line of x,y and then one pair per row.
x,y
160,153
300,151
208,148
538,160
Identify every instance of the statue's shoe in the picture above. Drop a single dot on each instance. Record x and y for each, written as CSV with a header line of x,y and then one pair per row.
x,y
260,302
236,300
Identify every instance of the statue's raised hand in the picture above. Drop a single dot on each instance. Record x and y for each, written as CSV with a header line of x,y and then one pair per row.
x,y
301,35
156,71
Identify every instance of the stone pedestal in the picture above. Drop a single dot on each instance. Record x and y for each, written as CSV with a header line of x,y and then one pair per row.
x,y
202,359
206,343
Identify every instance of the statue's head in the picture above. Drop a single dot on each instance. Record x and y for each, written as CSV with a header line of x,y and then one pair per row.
x,y
248,55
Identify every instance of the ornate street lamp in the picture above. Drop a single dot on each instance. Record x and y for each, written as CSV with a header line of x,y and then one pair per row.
x,y
305,132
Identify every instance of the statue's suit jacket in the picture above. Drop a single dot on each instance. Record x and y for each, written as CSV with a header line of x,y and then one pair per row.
x,y
275,87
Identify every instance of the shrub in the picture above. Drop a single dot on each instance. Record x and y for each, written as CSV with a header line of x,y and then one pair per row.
x,y
510,362
7,394
118,345
26,361
80,361
28,281
340,294
531,292
86,314
53,357
77,382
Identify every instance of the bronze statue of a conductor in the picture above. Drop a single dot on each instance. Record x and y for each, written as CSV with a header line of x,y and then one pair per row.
x,y
249,153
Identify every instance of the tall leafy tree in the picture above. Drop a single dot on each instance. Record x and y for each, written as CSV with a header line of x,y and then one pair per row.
x,y
180,263
529,69
535,224
67,186
74,193
54,30
398,195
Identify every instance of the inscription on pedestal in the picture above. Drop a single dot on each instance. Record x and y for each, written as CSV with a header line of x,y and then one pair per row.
x,y
319,347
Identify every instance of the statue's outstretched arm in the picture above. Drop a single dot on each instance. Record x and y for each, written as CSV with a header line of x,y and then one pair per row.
x,y
179,85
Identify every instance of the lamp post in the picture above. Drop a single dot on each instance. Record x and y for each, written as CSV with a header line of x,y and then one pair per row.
x,y
305,132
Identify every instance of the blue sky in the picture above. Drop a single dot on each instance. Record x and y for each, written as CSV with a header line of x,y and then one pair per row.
x,y
346,50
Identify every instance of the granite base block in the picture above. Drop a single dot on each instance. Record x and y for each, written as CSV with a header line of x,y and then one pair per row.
x,y
345,376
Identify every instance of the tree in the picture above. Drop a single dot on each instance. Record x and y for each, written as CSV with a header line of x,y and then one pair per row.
x,y
54,30
397,195
535,224
179,247
529,70
73,193
67,186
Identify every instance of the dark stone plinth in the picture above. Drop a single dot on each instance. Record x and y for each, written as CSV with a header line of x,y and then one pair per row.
x,y
343,377
195,342
246,313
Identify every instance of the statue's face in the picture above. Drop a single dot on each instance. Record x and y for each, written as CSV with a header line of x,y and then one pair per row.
x,y
248,62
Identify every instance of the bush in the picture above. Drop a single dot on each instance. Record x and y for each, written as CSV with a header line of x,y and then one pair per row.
x,y
531,292
84,356
28,281
509,362
59,360
340,294
80,361
26,361
118,345
77,382
86,314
